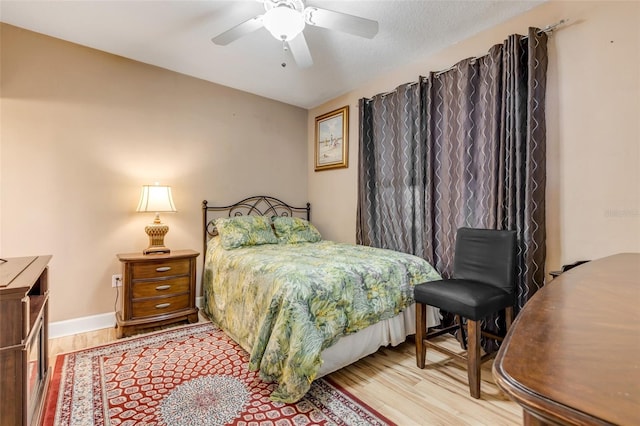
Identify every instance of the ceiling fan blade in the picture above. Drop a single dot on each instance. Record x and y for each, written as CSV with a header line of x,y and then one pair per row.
x,y
238,31
341,22
300,51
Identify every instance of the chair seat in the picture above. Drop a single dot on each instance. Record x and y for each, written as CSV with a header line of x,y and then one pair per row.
x,y
468,298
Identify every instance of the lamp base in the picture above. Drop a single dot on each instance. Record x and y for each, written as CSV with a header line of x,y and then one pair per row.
x,y
156,233
156,250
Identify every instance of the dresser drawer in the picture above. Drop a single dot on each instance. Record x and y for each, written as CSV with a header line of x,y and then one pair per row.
x,y
160,287
159,306
161,268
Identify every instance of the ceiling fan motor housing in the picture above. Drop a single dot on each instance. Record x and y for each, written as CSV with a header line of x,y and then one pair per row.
x,y
296,5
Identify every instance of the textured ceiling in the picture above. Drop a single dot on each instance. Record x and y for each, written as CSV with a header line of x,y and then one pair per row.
x,y
176,35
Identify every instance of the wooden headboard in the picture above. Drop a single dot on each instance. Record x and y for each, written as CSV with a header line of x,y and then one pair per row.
x,y
260,205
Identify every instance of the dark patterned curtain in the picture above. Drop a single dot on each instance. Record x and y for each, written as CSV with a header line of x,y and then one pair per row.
x,y
461,148
392,175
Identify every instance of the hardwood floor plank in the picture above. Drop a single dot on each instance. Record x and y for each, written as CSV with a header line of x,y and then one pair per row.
x,y
390,382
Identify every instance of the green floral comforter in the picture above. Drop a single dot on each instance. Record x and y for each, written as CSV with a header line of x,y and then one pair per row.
x,y
285,303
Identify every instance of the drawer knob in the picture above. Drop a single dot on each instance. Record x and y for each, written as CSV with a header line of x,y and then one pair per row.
x,y
163,269
163,305
163,287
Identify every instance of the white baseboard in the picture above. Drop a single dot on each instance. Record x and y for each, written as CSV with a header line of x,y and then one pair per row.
x,y
90,323
81,325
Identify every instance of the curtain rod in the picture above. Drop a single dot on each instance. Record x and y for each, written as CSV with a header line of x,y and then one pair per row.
x,y
547,29
550,28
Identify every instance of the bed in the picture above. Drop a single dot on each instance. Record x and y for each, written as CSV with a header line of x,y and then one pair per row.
x,y
301,306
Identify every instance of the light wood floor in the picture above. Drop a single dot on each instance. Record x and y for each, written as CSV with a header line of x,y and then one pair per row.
x,y
390,382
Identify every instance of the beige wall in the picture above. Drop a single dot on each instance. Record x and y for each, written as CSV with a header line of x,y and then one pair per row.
x,y
82,130
593,129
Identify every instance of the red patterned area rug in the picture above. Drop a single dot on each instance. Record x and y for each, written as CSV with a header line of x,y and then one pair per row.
x,y
192,375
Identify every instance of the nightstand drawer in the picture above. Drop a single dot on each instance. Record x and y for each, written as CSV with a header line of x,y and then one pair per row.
x,y
160,305
161,287
158,269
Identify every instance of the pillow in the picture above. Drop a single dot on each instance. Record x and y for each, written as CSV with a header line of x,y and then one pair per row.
x,y
242,231
295,230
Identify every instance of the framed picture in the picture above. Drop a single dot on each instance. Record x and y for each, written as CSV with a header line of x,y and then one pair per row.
x,y
332,139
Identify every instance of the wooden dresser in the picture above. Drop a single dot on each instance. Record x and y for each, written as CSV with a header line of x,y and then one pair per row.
x,y
157,289
24,353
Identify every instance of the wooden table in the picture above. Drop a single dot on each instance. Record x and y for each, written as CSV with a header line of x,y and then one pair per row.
x,y
573,354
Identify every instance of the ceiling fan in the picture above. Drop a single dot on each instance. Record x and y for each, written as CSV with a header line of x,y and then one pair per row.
x,y
286,19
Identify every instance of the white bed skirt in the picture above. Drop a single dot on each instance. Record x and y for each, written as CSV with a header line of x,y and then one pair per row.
x,y
355,346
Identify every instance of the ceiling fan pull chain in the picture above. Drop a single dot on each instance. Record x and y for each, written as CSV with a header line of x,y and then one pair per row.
x,y
285,48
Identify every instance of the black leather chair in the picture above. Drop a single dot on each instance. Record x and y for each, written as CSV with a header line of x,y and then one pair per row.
x,y
483,283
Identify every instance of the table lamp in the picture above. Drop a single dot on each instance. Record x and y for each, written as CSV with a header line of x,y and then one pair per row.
x,y
156,198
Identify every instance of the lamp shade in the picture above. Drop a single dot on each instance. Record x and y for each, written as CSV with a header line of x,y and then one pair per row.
x,y
156,198
283,22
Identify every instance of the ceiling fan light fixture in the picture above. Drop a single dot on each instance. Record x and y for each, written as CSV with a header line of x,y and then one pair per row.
x,y
283,22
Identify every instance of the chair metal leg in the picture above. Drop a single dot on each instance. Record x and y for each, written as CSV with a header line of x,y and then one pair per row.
x,y
460,334
421,333
473,357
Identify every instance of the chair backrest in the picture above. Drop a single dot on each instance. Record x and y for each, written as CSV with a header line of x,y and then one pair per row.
x,y
486,255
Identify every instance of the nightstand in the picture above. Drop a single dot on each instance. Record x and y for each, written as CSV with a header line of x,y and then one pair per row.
x,y
157,289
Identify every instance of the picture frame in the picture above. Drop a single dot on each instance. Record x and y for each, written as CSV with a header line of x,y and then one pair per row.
x,y
332,140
